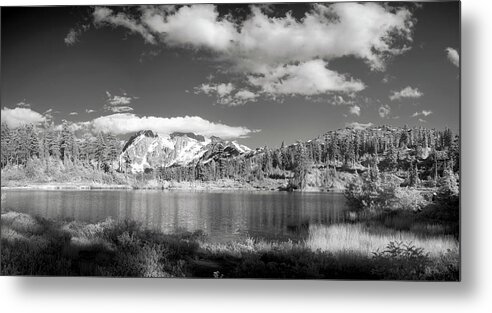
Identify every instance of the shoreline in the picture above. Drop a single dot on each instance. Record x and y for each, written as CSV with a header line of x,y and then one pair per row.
x,y
182,187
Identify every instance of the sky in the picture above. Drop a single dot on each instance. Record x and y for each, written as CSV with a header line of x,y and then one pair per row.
x,y
258,74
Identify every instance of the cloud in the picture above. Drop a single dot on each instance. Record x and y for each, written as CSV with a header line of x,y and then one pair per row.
x,y
74,33
72,37
424,113
355,110
422,120
124,123
89,111
407,92
20,116
197,26
357,125
118,100
74,126
384,111
23,104
119,109
105,16
453,56
246,95
226,93
221,90
343,100
307,79
118,104
73,113
259,48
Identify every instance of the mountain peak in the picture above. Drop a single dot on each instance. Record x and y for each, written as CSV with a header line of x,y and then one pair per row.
x,y
189,135
146,133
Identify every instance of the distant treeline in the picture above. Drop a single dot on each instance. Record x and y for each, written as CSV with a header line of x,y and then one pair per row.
x,y
23,144
422,153
418,152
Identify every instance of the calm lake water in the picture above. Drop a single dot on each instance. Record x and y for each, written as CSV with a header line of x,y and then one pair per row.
x,y
222,215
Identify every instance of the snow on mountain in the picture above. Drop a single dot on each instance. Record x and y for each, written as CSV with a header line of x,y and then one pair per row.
x,y
146,149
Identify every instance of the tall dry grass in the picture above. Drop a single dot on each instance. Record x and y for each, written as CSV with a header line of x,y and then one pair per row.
x,y
356,238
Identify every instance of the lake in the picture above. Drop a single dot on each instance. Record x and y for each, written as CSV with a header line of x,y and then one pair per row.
x,y
223,215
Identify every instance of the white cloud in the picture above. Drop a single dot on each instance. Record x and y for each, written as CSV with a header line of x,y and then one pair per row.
x,y
20,116
74,33
196,26
453,56
246,95
424,113
23,104
260,48
407,92
118,104
225,93
89,111
73,113
307,79
321,33
104,16
384,111
422,120
355,110
74,126
221,89
118,100
357,125
72,37
337,99
124,123
119,109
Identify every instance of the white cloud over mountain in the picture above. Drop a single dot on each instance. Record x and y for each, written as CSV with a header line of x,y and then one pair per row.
x,y
124,123
357,125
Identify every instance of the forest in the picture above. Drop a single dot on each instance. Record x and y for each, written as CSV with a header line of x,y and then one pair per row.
x,y
417,157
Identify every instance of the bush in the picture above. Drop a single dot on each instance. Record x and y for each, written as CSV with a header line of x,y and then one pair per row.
x,y
401,261
373,196
409,199
376,196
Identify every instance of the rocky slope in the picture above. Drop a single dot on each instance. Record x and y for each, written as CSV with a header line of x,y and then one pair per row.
x,y
147,149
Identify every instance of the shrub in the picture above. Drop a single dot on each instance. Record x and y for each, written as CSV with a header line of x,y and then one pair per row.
x,y
401,261
409,199
371,195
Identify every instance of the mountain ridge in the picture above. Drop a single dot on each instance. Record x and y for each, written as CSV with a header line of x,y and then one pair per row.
x,y
148,150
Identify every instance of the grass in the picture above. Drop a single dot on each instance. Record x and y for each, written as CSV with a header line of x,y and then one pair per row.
x,y
36,246
358,238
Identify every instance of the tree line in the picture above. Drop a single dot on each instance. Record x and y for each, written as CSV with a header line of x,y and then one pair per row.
x,y
419,153
48,143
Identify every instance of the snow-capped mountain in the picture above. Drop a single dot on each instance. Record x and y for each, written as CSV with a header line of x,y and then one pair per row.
x,y
146,149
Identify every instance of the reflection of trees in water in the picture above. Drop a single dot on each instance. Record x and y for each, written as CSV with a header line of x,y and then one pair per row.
x,y
219,214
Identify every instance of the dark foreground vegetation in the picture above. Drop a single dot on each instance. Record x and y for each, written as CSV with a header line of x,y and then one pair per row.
x,y
36,246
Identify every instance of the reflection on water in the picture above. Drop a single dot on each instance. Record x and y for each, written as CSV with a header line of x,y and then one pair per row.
x,y
222,215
